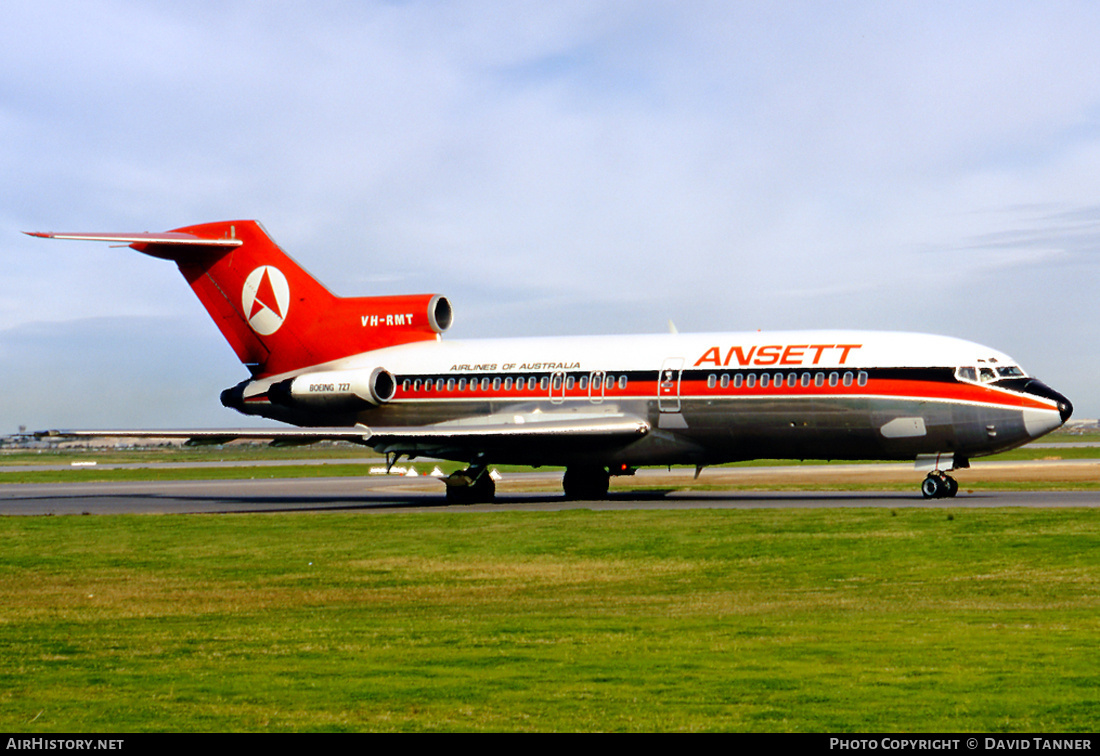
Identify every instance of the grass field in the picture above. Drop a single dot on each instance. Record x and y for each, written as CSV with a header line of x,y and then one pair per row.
x,y
914,620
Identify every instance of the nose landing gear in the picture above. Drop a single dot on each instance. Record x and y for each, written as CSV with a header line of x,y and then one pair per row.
x,y
939,485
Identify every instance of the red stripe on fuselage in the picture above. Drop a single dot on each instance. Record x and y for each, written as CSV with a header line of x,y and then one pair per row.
x,y
695,389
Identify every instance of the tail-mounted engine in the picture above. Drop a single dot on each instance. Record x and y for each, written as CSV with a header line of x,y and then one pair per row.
x,y
390,317
335,390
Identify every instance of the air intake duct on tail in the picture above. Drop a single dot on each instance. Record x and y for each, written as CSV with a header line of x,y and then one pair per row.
x,y
335,390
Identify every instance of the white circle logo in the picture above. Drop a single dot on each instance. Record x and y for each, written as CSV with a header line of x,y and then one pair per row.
x,y
266,297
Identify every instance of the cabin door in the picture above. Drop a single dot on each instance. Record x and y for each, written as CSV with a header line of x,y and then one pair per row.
x,y
668,384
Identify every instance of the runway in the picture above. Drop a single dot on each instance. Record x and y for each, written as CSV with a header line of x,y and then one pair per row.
x,y
390,494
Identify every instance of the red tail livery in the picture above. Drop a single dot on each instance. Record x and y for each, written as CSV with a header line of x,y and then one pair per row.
x,y
274,314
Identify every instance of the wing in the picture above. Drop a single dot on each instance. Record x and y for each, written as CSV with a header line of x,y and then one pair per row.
x,y
531,434
530,438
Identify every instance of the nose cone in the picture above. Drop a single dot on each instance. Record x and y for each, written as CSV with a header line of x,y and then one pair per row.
x,y
1065,409
1038,388
1040,422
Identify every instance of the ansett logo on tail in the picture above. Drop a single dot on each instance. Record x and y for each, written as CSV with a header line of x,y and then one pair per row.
x,y
265,299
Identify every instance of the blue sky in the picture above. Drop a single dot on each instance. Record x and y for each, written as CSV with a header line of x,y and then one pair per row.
x,y
552,167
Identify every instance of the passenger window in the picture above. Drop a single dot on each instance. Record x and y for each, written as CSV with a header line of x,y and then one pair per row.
x,y
712,380
848,379
725,380
622,381
862,378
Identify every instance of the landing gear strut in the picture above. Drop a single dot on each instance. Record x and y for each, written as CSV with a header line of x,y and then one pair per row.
x,y
473,485
939,485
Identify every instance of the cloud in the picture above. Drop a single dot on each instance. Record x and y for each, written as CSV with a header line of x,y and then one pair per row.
x,y
568,167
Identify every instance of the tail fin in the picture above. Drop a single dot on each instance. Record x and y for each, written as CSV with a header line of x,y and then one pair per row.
x,y
274,314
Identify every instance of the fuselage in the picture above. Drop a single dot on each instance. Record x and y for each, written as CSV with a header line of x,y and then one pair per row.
x,y
708,398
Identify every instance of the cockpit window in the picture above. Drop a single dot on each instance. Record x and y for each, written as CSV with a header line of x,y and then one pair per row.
x,y
988,374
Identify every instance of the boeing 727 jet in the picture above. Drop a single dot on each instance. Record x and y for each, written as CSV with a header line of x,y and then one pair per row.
x,y
376,371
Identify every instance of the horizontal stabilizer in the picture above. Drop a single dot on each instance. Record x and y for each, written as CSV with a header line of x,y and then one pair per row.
x,y
175,238
218,435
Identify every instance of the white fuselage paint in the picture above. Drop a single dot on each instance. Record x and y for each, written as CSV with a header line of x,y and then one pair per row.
x,y
709,397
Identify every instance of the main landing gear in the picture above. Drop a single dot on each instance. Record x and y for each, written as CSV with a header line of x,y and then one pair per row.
x,y
586,482
939,485
474,485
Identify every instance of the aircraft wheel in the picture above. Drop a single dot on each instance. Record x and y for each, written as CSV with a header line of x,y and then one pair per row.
x,y
482,489
939,485
586,482
485,490
933,487
952,486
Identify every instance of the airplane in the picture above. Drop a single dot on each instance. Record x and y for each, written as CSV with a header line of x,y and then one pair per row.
x,y
376,371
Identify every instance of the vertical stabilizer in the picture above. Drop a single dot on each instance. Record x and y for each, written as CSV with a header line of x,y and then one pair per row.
x,y
274,314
